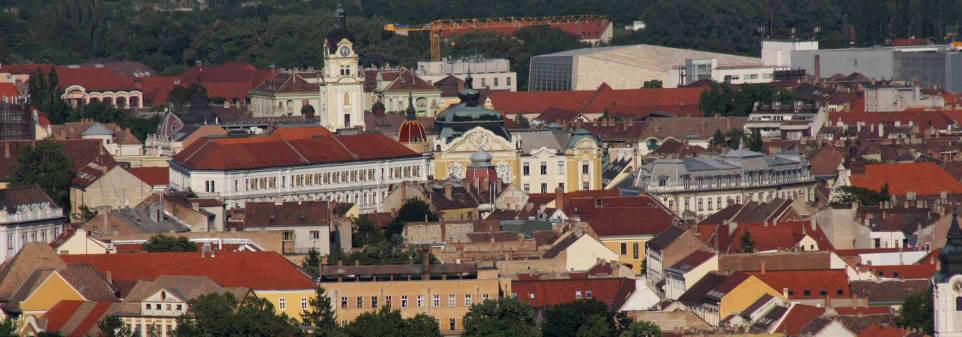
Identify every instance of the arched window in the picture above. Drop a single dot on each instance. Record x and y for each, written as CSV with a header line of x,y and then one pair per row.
x,y
347,99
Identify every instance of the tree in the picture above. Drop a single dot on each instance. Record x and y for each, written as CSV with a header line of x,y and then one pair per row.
x,y
8,328
365,232
505,317
312,263
652,84
845,195
565,319
414,209
594,326
164,243
389,323
718,139
46,165
522,121
748,245
916,313
319,316
113,326
755,142
642,329
221,314
734,138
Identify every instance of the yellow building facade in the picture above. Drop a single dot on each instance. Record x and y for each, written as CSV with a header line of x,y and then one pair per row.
x,y
743,295
292,303
447,299
54,288
630,249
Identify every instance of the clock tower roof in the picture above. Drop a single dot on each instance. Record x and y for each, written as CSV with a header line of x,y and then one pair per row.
x,y
950,257
340,31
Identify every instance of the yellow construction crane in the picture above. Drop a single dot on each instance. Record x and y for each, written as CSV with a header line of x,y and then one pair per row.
x,y
436,27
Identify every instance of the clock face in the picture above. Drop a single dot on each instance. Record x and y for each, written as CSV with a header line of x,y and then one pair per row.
x,y
345,51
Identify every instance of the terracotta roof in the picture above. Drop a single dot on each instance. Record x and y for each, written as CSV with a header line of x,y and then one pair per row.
x,y
33,256
679,101
583,30
26,68
80,152
610,291
901,179
616,221
698,291
231,80
260,151
287,82
909,271
685,127
229,269
888,291
808,284
76,318
75,130
693,260
780,236
8,90
153,176
797,318
408,81
157,89
883,331
287,214
853,311
95,79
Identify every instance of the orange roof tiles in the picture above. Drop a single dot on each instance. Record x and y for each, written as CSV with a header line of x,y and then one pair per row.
x,y
907,271
290,149
228,269
90,321
616,221
95,79
8,90
883,331
611,291
852,311
153,176
808,284
904,178
58,315
680,101
797,318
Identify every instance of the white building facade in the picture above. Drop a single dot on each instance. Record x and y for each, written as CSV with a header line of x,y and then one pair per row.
x,y
492,74
27,215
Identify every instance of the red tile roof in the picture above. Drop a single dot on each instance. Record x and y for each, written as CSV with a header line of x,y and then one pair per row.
x,y
8,90
231,80
26,68
153,176
408,81
780,236
90,320
588,30
95,79
907,271
291,148
680,101
157,89
611,291
617,221
833,282
228,269
58,315
797,318
903,178
852,311
883,331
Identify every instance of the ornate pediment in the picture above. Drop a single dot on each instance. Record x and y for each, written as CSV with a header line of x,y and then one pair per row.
x,y
479,139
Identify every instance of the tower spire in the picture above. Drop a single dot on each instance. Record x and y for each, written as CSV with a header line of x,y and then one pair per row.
x,y
411,113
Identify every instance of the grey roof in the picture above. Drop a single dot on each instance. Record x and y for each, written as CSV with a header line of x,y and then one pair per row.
x,y
97,130
141,219
665,238
732,163
653,57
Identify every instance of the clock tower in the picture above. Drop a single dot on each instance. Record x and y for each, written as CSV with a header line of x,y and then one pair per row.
x,y
947,284
343,90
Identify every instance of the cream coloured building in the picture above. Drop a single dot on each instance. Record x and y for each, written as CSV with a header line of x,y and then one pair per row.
x,y
104,186
443,291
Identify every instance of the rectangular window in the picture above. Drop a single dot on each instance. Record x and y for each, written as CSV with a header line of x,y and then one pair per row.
x,y
585,186
453,324
584,168
495,84
344,302
468,301
282,304
588,294
404,301
544,168
561,167
452,300
303,303
507,80
624,248
634,249
577,294
561,187
360,302
878,243
435,300
420,301
484,297
527,188
10,240
315,235
544,188
525,170
374,302
387,302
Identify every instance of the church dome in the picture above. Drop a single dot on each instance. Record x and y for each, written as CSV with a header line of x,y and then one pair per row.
x,y
467,115
411,132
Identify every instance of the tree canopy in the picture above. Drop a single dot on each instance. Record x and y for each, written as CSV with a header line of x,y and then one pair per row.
x,y
221,314
45,164
505,317
165,243
389,323
916,313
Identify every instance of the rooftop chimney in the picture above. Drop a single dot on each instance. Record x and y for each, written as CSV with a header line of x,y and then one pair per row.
x,y
448,191
559,200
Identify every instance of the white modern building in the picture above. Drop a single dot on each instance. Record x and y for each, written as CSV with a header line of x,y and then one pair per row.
x,y
493,74
779,52
695,70
699,187
27,214
295,166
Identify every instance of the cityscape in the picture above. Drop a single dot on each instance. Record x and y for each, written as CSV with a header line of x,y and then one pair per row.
x,y
389,168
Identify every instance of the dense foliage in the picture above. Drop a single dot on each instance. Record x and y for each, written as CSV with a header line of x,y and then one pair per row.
x,y
164,243
219,314
916,313
389,323
289,33
46,165
845,195
583,318
724,99
319,318
506,317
